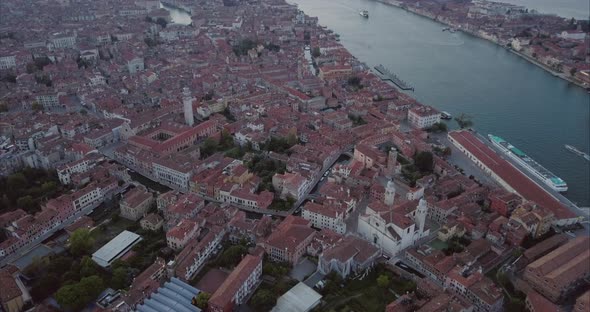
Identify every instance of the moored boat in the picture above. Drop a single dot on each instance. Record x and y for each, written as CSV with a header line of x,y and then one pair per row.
x,y
577,152
553,181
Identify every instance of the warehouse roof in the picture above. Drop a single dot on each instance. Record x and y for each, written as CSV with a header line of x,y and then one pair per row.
x,y
116,247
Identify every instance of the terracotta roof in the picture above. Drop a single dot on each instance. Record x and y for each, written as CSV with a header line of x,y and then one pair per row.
x,y
516,179
225,293
9,287
351,247
540,304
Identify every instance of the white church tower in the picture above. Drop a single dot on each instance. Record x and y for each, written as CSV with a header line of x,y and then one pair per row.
x,y
389,193
421,212
187,101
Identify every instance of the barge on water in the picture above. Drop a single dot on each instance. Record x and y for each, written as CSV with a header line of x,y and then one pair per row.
x,y
577,152
529,164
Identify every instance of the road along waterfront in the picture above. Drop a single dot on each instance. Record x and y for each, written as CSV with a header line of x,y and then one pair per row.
x,y
456,72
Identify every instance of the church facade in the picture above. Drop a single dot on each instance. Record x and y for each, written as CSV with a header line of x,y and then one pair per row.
x,y
394,226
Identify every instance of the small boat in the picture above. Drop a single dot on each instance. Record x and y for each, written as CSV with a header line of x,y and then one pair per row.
x,y
577,152
445,115
364,13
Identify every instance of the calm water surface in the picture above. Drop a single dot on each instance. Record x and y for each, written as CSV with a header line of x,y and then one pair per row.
x,y
178,16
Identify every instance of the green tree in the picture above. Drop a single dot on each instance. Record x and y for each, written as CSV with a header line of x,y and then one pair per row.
x,y
76,296
83,112
573,71
226,141
201,300
464,121
232,255
354,81
316,52
49,188
119,280
69,298
26,203
16,182
264,299
81,242
292,139
243,46
150,42
36,107
209,147
91,286
162,22
44,286
3,107
439,127
424,161
87,267
383,281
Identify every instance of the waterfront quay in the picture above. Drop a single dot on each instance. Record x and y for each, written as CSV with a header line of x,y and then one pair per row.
x,y
513,177
387,75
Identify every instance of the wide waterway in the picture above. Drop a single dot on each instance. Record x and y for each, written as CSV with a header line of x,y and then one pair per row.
x,y
177,15
506,95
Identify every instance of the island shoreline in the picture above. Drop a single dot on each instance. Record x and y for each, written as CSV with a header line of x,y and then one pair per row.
x,y
554,73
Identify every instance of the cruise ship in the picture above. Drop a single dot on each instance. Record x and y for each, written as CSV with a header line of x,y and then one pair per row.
x,y
528,163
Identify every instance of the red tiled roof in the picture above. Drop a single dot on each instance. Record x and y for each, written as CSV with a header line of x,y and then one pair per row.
x,y
10,289
225,293
516,179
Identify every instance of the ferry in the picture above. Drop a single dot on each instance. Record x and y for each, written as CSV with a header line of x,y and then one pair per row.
x,y
364,13
577,152
446,115
554,182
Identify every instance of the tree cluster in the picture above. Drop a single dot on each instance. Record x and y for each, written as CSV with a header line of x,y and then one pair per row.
x,y
201,300
226,144
438,127
232,256
38,64
265,168
424,161
456,245
52,273
282,204
242,47
265,297
81,242
272,47
464,121
357,120
76,296
27,188
275,269
315,52
280,145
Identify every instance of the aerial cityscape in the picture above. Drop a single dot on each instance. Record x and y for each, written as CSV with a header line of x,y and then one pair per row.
x,y
294,155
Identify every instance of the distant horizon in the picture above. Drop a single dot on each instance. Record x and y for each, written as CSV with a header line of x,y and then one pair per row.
x,y
563,8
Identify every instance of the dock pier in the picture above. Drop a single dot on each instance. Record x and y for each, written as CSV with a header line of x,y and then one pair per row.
x,y
387,75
